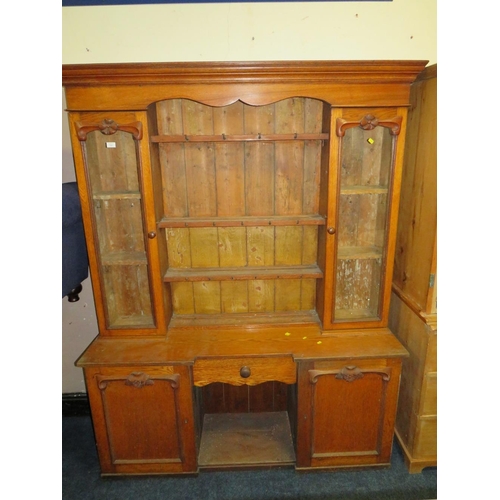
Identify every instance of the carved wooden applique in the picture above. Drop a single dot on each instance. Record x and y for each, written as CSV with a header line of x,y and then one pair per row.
x,y
369,122
138,380
108,127
349,373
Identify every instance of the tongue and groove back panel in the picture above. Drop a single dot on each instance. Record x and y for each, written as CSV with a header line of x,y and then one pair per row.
x,y
207,173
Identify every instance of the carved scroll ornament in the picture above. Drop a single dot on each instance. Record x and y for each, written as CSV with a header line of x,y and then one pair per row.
x,y
138,380
349,373
108,127
369,122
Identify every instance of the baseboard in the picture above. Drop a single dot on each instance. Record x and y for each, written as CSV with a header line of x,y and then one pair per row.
x,y
75,404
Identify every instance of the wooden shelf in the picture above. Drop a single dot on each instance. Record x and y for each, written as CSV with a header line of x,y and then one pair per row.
x,y
355,314
236,319
134,321
124,259
117,195
242,439
239,138
242,273
364,190
246,221
346,253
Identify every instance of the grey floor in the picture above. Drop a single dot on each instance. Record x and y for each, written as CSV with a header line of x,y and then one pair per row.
x,y
81,479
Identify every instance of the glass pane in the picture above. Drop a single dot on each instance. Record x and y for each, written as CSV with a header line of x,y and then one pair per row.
x,y
113,171
362,222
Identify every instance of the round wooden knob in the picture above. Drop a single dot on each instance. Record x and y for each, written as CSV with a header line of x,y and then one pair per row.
x,y
151,235
331,230
245,371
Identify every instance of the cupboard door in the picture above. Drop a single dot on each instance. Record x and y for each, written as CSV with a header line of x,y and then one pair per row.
x,y
111,165
346,412
143,419
361,231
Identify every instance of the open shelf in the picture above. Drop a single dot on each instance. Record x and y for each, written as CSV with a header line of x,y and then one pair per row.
x,y
346,253
117,195
243,439
133,321
243,221
243,273
124,259
364,190
281,318
239,137
355,314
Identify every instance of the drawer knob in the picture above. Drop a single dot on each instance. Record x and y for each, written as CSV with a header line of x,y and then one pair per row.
x,y
245,371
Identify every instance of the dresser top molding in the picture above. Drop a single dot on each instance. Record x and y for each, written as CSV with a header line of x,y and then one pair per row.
x,y
134,86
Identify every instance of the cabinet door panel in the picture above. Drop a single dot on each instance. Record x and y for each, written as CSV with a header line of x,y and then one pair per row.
x,y
143,419
136,431
112,167
348,416
362,218
346,412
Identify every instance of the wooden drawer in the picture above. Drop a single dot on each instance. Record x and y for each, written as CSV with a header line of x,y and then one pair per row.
x,y
244,370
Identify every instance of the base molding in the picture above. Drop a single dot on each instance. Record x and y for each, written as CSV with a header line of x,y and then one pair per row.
x,y
75,404
414,465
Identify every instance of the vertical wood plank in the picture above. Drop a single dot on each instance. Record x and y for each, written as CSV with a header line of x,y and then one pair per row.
x,y
308,294
230,161
289,162
172,159
207,297
287,295
289,185
312,156
261,295
347,229
261,397
260,246
259,161
236,398
200,160
213,398
288,245
260,251
234,296
182,298
309,245
179,255
232,244
352,157
112,169
179,247
204,247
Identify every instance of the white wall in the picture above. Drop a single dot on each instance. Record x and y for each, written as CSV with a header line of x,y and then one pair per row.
x,y
401,29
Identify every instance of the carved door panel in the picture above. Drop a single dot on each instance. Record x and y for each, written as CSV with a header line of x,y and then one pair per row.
x,y
346,412
143,419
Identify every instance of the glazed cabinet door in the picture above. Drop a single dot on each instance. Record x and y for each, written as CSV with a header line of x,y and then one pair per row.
x,y
113,173
143,419
364,182
346,412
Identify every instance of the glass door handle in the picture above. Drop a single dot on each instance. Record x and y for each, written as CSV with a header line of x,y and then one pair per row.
x,y
331,230
151,235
